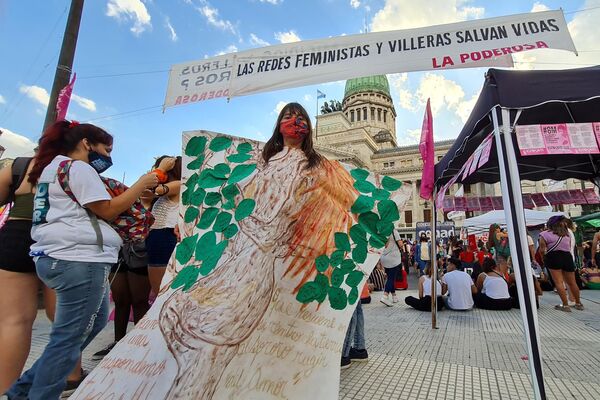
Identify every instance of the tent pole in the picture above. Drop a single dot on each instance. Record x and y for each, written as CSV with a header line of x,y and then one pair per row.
x,y
432,257
515,220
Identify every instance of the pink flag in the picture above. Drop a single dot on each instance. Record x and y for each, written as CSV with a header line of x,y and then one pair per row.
x,y
427,152
64,97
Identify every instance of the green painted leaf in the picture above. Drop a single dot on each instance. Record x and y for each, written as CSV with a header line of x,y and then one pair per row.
x,y
337,257
212,258
244,209
212,198
205,245
230,191
309,292
185,197
240,172
238,158
191,182
377,241
207,218
222,221
358,234
362,204
390,183
364,186
353,296
207,180
368,221
359,253
337,298
381,194
244,147
221,170
197,197
197,163
195,146
354,278
190,214
359,174
337,277
219,143
347,265
230,205
186,278
322,281
388,211
230,231
385,228
322,263
341,241
185,249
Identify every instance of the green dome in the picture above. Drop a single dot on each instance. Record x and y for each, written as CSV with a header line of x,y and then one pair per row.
x,y
375,83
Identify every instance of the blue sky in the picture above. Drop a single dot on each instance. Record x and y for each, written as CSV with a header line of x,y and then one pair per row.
x,y
126,47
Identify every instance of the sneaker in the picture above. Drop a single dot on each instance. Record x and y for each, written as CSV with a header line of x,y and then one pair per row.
x,y
102,353
345,364
386,300
359,355
72,386
562,308
395,298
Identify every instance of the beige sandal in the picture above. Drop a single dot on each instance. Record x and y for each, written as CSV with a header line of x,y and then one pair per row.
x,y
562,308
578,306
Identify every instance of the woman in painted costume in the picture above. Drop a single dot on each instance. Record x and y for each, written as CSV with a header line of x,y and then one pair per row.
x,y
293,188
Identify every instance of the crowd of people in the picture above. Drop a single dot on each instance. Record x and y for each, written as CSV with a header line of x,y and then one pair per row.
x,y
57,238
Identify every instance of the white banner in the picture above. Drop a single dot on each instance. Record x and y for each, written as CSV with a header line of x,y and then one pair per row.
x,y
476,43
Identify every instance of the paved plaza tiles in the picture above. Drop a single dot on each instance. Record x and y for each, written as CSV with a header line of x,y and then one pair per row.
x,y
478,354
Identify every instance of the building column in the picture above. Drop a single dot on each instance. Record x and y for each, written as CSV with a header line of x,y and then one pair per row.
x,y
415,206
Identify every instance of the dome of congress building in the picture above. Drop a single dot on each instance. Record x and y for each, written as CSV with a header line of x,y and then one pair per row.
x,y
376,83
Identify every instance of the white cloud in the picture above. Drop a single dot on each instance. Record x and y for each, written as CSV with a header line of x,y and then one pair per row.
x,y
256,41
212,17
537,6
354,3
307,98
274,2
230,49
16,145
36,93
134,10
171,30
287,37
88,104
279,106
464,108
586,36
402,14
2,100
443,92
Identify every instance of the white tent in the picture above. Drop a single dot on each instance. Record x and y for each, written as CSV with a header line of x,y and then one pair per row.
x,y
483,222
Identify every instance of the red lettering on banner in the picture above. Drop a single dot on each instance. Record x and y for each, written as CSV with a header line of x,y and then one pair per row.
x,y
485,54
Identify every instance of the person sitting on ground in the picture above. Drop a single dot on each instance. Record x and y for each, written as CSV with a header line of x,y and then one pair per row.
x,y
591,277
354,345
460,287
587,253
378,278
423,303
505,266
492,288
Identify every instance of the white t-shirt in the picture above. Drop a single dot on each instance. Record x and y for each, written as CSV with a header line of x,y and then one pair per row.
x,y
459,290
495,287
62,228
391,257
427,287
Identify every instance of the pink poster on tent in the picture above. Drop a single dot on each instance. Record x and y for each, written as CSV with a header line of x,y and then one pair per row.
x,y
528,201
539,200
448,203
530,140
564,197
577,196
460,204
485,152
476,157
497,203
552,198
596,128
556,138
466,168
591,196
473,204
486,204
582,138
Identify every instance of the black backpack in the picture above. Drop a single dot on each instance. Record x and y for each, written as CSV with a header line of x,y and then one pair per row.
x,y
18,170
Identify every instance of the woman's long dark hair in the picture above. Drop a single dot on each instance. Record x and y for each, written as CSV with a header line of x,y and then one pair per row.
x,y
175,173
62,137
275,144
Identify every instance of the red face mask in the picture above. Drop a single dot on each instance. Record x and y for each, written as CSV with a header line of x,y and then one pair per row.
x,y
293,128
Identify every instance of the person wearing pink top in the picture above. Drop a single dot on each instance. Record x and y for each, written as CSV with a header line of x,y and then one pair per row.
x,y
556,244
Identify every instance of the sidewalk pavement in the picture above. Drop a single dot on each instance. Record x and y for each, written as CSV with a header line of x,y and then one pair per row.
x,y
476,354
